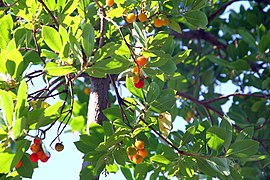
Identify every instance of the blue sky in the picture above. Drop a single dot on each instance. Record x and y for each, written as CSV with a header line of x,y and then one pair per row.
x,y
66,165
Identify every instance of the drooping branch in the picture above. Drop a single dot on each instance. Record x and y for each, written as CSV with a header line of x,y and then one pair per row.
x,y
219,11
200,34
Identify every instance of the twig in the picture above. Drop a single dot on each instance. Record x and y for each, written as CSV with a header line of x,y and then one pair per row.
x,y
51,14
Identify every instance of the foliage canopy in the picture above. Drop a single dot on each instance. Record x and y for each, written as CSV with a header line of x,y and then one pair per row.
x,y
73,43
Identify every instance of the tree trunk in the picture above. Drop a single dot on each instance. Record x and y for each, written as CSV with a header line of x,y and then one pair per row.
x,y
98,100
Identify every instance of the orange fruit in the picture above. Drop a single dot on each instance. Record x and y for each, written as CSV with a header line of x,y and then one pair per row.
x,y
135,79
19,164
141,61
131,151
42,156
86,91
59,147
137,159
109,2
140,84
158,22
139,144
35,148
166,21
137,71
142,17
34,157
130,18
142,152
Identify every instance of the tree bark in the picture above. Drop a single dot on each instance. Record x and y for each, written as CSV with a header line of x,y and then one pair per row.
x,y
98,101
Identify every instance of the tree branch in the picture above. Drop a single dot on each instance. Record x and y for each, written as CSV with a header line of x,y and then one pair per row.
x,y
51,14
200,34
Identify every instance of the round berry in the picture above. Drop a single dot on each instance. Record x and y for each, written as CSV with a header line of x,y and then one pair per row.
x,y
135,79
166,21
86,91
109,2
131,151
37,141
142,17
35,148
137,159
139,144
34,157
141,61
130,18
142,152
59,147
140,84
158,22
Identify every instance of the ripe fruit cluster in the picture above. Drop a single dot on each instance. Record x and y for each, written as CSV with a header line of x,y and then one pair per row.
x,y
137,153
159,22
138,77
38,153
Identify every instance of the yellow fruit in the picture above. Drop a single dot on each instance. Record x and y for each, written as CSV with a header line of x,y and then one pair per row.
x,y
137,159
131,18
131,151
139,144
166,21
137,71
142,152
142,17
109,2
158,22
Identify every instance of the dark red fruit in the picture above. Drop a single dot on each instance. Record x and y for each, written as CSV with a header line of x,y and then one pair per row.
x,y
34,157
139,84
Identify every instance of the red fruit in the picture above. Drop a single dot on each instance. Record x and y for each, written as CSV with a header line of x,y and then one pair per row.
x,y
42,156
34,157
141,61
35,148
37,141
139,84
19,164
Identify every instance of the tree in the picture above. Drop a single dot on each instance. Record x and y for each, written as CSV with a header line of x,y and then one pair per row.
x,y
170,55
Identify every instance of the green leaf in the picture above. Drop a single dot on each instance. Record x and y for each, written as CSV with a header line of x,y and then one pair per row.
x,y
216,137
112,113
126,172
153,92
113,65
188,136
244,148
197,18
226,124
247,37
181,56
199,4
53,69
264,43
169,67
160,159
246,133
15,63
165,123
207,167
135,91
120,156
164,103
6,160
88,39
139,34
112,168
106,51
7,106
175,26
21,107
27,169
52,38
140,171
158,58
6,27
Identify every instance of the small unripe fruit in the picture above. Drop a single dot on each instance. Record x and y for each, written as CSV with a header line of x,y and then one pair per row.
x,y
131,18
137,71
19,164
139,144
140,84
141,61
35,148
109,2
137,159
34,157
131,151
86,91
142,152
142,17
158,22
59,147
